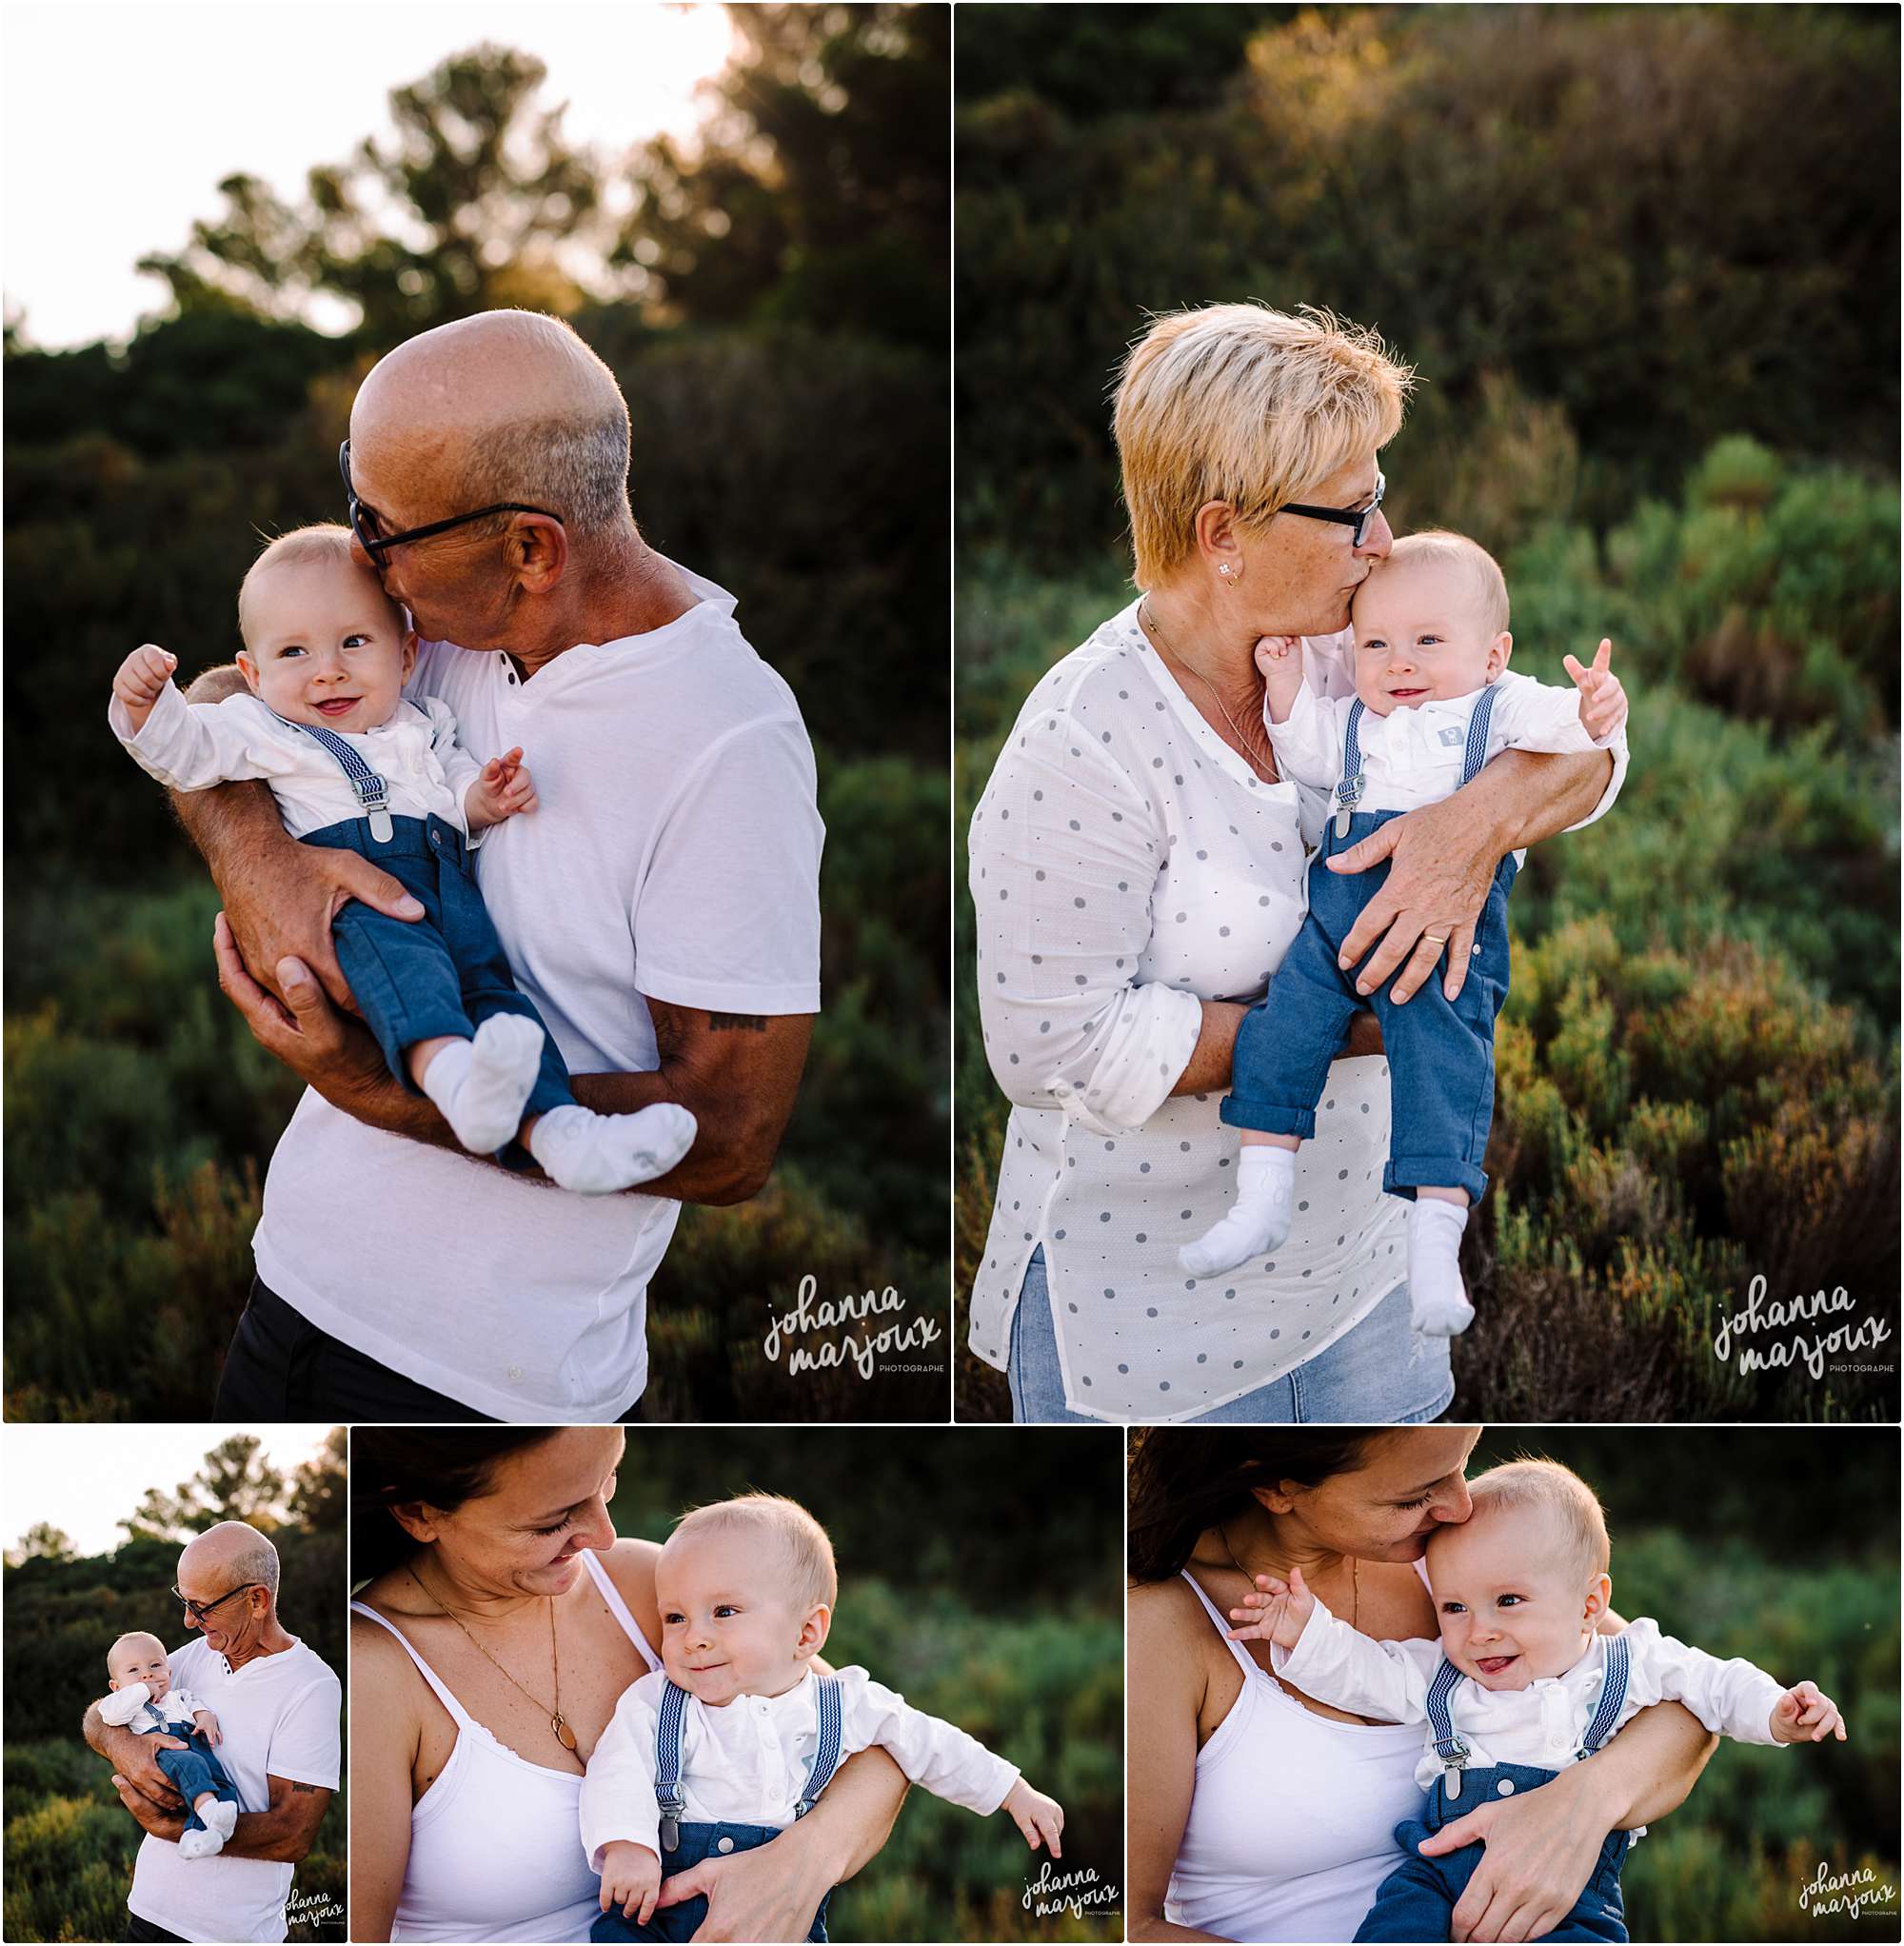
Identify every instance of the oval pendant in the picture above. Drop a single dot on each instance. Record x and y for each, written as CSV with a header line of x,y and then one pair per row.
x,y
564,1734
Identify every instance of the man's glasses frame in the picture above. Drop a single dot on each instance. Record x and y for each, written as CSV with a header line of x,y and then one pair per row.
x,y
201,1609
366,520
1356,517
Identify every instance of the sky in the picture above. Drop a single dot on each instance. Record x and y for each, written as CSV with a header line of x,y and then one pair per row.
x,y
87,1479
120,120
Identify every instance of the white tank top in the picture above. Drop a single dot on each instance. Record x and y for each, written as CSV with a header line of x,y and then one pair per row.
x,y
496,1841
1293,1815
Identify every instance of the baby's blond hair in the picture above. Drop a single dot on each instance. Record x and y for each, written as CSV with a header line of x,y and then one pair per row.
x,y
316,546
135,1635
805,1552
1480,572
1557,1494
1240,402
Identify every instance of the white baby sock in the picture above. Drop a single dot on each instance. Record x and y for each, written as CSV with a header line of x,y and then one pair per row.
x,y
1259,1219
596,1154
223,1817
1438,1299
206,1843
482,1085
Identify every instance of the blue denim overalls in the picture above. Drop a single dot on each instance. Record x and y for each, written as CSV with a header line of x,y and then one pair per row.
x,y
1416,1900
1440,1052
193,1771
683,1845
444,974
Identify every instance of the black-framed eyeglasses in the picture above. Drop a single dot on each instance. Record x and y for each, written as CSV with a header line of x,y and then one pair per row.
x,y
1357,517
366,523
201,1609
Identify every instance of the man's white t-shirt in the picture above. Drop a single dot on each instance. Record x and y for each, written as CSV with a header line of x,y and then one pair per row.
x,y
675,853
278,1717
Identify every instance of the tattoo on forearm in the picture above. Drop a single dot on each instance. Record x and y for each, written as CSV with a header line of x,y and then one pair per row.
x,y
737,1023
310,1789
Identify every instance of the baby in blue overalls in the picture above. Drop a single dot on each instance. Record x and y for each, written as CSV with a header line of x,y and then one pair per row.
x,y
355,766
1521,1683
738,1734
1434,702
144,1700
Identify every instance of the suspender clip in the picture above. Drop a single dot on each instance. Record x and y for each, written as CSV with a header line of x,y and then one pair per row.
x,y
670,1833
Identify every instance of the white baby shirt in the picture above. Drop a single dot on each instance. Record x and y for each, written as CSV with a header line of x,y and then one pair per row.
x,y
193,745
1542,1724
1414,756
747,1763
132,1708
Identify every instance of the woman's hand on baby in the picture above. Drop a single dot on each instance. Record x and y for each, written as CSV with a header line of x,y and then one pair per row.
x,y
631,1879
503,789
1040,1818
1602,700
1806,1715
142,679
1274,1611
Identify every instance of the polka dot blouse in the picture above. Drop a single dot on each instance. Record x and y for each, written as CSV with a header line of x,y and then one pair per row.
x,y
1128,863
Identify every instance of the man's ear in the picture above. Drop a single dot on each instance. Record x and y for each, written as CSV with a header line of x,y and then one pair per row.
x,y
538,547
1498,651
247,669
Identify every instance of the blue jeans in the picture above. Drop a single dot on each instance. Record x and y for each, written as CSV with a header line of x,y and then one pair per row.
x,y
698,1842
1416,1900
1440,1052
1373,1375
442,974
195,1771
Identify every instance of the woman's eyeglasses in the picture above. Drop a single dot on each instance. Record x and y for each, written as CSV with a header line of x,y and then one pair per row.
x,y
1357,517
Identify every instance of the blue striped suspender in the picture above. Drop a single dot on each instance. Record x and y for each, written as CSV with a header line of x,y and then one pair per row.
x,y
373,794
671,1720
1449,1747
1478,735
1349,791
1613,1696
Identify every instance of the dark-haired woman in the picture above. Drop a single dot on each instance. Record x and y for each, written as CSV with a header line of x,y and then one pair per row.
x,y
1262,1815
499,1624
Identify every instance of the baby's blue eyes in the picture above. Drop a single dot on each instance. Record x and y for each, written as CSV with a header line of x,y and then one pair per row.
x,y
298,648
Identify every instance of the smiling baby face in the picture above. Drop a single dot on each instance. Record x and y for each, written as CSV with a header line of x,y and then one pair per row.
x,y
1430,623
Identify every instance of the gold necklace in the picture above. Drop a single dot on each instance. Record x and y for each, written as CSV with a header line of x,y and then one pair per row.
x,y
557,1722
1262,761
1355,1577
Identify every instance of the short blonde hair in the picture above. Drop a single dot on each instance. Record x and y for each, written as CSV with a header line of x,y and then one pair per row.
x,y
1434,548
312,546
1241,403
1559,1496
805,1553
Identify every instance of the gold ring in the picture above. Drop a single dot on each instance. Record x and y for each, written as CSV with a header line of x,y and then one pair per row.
x,y
1440,941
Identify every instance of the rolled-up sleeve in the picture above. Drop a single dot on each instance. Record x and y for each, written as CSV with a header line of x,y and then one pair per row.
x,y
1064,851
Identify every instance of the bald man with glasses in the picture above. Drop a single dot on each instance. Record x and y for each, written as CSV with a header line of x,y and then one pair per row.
x,y
278,1707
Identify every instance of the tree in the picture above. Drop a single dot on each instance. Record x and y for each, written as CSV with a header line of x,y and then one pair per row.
x,y
477,201
320,1497
42,1541
819,191
236,1482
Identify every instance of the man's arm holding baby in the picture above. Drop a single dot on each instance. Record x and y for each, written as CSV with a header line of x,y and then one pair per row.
x,y
284,1834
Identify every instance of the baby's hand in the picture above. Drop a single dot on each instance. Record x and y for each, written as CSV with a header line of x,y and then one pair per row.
x,y
1271,649
1602,700
140,681
631,1879
1279,660
1806,1715
208,1725
503,788
1037,1816
1274,1611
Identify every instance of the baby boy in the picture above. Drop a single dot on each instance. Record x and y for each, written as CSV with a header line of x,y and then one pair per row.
x,y
354,765
144,1700
1521,1683
739,1733
1434,702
